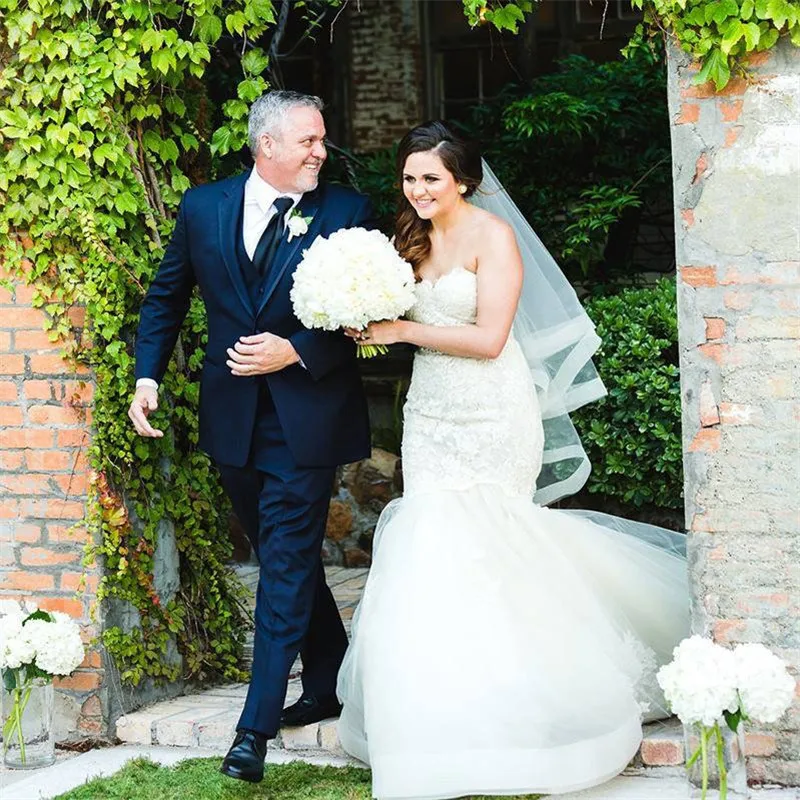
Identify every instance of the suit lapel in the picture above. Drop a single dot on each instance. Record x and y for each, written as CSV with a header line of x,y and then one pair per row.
x,y
307,207
228,218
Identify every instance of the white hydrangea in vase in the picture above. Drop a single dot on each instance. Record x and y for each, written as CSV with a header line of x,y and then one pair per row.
x,y
35,646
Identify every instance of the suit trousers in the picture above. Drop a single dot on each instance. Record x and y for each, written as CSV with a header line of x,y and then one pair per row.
x,y
283,509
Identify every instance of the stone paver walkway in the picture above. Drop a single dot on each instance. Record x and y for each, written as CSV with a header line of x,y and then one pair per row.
x,y
208,719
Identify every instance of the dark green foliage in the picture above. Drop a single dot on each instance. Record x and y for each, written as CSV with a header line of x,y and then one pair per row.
x,y
633,436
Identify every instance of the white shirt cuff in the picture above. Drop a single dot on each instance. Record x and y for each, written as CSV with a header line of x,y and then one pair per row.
x,y
147,382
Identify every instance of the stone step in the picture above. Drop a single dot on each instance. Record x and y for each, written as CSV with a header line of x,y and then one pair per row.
x,y
208,719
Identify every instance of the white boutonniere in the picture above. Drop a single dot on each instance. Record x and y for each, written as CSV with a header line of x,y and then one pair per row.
x,y
297,224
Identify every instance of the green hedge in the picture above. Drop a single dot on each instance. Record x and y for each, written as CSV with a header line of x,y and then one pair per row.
x,y
633,436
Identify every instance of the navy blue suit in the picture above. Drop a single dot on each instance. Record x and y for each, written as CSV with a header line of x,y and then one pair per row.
x,y
276,438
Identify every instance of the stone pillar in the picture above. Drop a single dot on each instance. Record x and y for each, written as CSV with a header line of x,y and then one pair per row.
x,y
386,76
44,419
736,164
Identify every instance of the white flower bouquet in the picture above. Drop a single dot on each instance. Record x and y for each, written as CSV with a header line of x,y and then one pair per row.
x,y
707,686
349,279
35,645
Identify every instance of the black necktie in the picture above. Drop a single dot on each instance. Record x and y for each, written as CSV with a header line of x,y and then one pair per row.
x,y
267,244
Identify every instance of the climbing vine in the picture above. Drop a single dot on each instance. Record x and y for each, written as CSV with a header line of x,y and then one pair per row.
x,y
104,122
720,34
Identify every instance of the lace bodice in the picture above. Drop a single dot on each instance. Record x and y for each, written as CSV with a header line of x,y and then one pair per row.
x,y
468,421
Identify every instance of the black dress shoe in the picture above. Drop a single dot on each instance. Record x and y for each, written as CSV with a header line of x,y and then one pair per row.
x,y
309,709
245,759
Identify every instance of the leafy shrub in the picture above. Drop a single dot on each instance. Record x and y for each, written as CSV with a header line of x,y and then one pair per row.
x,y
633,436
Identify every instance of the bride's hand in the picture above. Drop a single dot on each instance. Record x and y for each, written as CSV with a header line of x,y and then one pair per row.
x,y
385,332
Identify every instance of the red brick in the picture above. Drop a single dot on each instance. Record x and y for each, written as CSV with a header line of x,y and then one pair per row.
x,y
48,364
66,605
700,168
9,508
662,752
22,318
93,660
52,509
5,342
24,294
737,300
699,276
74,437
12,364
78,582
11,459
25,437
715,327
92,707
78,392
735,86
707,440
74,485
10,415
731,135
715,352
91,726
34,340
739,414
731,110
728,631
690,112
52,415
26,484
780,387
77,316
26,581
37,389
709,413
29,534
80,681
8,391
42,556
6,297
49,460
687,215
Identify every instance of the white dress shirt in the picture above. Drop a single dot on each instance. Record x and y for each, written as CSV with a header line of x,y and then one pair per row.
x,y
258,211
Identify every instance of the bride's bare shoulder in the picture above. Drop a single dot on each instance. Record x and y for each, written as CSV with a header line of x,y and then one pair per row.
x,y
490,229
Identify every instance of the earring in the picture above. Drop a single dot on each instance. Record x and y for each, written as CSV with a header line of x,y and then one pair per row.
x,y
461,188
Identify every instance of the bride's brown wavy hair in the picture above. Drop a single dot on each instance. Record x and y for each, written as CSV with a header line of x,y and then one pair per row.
x,y
461,158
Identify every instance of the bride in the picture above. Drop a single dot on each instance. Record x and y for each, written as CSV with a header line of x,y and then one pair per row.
x,y
500,647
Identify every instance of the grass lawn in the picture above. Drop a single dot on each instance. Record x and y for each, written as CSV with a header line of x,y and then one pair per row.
x,y
200,779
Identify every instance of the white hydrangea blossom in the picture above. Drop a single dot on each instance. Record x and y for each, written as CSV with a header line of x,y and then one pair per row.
x,y
53,646
765,686
700,682
349,279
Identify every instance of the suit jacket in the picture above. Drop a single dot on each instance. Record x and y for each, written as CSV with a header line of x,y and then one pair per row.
x,y
321,406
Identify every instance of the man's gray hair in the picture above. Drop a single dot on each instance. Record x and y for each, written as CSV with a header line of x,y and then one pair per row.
x,y
268,113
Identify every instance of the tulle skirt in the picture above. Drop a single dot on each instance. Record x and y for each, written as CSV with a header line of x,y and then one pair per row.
x,y
505,648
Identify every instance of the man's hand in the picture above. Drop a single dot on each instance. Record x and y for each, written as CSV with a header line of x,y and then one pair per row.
x,y
144,402
261,354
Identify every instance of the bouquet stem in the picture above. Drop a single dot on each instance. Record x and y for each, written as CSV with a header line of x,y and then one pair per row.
x,y
371,350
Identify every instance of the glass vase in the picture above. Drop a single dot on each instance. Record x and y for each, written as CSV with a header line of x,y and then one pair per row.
x,y
27,707
715,762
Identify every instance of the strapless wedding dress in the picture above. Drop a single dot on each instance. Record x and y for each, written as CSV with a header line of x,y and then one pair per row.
x,y
499,647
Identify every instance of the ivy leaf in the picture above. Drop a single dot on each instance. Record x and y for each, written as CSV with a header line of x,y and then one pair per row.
x,y
255,61
794,34
746,11
125,201
163,61
236,22
720,10
209,28
733,31
506,17
752,35
103,153
715,68
221,141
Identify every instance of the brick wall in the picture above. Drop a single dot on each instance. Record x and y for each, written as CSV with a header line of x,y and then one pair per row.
x,y
736,166
386,79
43,435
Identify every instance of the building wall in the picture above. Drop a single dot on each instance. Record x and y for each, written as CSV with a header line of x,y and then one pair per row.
x,y
386,82
44,422
736,163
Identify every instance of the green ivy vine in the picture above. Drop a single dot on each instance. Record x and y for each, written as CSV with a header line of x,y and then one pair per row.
x,y
720,34
104,122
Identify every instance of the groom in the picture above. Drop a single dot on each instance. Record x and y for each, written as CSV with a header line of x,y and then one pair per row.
x,y
280,405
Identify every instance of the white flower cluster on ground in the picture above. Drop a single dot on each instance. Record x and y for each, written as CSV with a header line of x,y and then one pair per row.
x,y
704,680
48,640
349,279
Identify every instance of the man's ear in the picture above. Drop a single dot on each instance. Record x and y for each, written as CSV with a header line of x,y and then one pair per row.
x,y
267,145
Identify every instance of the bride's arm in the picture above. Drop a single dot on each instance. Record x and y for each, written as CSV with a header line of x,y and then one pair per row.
x,y
499,280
